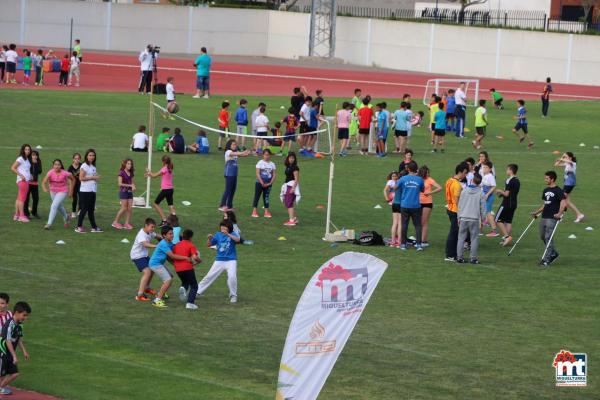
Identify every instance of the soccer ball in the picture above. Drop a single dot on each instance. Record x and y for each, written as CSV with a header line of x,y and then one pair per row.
x,y
173,108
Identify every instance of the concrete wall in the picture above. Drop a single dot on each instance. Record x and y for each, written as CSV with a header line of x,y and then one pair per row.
x,y
439,49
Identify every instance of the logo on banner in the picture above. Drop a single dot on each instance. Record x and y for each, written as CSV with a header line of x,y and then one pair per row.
x,y
317,345
342,289
571,368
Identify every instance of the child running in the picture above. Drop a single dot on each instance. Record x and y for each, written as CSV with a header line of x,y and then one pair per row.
x,y
185,269
265,176
498,99
521,118
162,252
11,338
166,187
480,124
226,260
139,256
126,189
569,161
22,168
60,184
231,173
426,199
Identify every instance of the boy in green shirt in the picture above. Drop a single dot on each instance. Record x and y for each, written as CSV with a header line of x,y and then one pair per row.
x,y
26,66
163,139
497,97
77,48
480,124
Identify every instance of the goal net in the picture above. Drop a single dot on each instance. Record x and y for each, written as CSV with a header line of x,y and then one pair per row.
x,y
441,86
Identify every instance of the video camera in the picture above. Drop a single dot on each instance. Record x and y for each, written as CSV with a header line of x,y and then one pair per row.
x,y
153,49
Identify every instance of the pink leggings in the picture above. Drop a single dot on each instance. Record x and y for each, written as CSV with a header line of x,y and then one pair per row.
x,y
23,189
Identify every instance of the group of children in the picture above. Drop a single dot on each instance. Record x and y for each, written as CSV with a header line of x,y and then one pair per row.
x,y
175,245
9,59
470,194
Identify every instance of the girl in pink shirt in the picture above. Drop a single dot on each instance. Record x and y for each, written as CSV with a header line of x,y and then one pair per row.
x,y
60,185
343,124
166,187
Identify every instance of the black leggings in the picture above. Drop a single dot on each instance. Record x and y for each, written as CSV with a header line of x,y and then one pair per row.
x,y
87,202
258,191
2,69
75,196
545,106
189,282
35,199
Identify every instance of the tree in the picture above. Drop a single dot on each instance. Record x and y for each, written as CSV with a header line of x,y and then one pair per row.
x,y
588,6
467,3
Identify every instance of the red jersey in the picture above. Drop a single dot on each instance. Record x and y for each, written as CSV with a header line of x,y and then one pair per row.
x,y
187,249
365,116
64,65
223,118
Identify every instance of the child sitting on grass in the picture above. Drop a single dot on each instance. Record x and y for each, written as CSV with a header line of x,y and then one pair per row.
x,y
185,269
201,145
10,339
163,139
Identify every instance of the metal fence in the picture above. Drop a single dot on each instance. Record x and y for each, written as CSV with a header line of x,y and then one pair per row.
x,y
518,19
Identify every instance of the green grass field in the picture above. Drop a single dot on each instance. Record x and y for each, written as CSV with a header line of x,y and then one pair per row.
x,y
432,330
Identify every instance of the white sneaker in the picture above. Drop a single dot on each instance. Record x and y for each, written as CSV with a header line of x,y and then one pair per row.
x,y
191,306
233,299
73,215
205,96
196,96
182,294
579,219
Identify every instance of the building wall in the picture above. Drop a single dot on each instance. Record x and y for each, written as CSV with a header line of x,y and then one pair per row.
x,y
438,49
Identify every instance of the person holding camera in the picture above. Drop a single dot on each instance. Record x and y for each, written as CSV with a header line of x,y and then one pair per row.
x,y
147,62
202,64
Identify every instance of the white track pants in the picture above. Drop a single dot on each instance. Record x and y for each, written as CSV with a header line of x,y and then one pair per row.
x,y
217,269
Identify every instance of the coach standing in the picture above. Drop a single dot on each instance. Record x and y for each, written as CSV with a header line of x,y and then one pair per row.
x,y
146,66
460,98
202,64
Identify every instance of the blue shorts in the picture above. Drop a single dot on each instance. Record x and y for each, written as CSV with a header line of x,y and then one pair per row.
x,y
520,125
141,263
382,136
289,138
202,82
125,195
489,203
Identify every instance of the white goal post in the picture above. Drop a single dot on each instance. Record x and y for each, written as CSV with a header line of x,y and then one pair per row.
x,y
441,86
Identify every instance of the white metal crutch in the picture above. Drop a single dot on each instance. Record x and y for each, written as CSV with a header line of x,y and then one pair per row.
x,y
522,235
550,240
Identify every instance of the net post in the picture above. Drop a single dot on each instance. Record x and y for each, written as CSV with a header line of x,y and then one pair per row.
x,y
331,173
150,136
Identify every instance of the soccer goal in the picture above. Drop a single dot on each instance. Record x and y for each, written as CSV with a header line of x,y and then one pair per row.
x,y
441,86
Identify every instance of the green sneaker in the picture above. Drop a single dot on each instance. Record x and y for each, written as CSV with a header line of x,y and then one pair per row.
x,y
158,303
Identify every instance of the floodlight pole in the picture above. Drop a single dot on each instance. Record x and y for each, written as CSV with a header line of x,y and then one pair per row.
x,y
321,42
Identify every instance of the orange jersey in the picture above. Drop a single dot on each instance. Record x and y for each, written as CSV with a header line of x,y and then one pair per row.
x,y
453,189
224,118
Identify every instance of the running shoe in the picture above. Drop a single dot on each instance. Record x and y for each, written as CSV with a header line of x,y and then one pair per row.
x,y
493,234
255,214
128,227
579,218
507,241
150,292
158,303
191,306
23,218
96,230
289,223
450,259
142,298
116,225
267,214
182,294
475,261
419,247
79,229
233,299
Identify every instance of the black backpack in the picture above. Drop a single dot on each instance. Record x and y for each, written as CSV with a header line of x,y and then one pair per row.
x,y
160,88
369,238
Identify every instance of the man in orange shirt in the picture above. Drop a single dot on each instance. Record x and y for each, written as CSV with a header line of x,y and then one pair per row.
x,y
453,189
223,121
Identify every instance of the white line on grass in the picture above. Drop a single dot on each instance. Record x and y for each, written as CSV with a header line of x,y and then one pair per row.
x,y
34,274
161,371
316,78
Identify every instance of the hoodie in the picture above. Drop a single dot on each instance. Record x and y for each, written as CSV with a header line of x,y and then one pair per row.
x,y
471,204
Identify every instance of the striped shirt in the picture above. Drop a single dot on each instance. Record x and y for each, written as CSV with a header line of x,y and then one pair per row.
x,y
4,318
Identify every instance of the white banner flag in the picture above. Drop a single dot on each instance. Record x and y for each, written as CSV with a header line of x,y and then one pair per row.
x,y
325,316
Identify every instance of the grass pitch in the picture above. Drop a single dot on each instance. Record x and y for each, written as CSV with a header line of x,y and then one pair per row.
x,y
432,330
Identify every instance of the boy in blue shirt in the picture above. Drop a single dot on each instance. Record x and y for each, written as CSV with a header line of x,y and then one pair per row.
x,y
383,125
439,119
241,119
226,260
450,110
408,190
521,118
162,252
